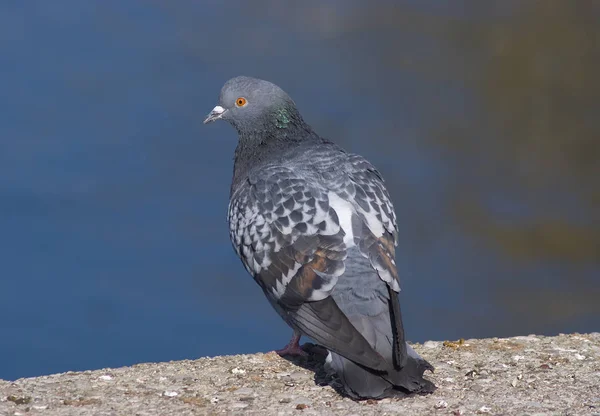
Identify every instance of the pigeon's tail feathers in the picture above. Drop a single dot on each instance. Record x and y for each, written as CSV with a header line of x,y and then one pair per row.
x,y
358,382
361,383
400,355
410,378
380,323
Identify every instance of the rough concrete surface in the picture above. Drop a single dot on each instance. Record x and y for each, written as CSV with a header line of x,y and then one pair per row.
x,y
530,375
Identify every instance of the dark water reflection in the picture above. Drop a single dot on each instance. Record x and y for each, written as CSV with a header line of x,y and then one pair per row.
x,y
114,246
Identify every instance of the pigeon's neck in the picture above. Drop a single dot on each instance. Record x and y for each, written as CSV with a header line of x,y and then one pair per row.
x,y
268,140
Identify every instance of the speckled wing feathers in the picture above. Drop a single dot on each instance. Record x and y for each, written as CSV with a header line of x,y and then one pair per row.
x,y
287,235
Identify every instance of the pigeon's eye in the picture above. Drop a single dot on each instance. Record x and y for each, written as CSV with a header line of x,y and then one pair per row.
x,y
240,102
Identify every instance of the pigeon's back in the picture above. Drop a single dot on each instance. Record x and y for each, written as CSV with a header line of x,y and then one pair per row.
x,y
360,292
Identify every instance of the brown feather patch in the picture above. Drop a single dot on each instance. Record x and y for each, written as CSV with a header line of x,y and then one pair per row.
x,y
305,279
387,253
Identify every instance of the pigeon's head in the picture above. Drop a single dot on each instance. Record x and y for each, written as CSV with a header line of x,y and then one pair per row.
x,y
253,104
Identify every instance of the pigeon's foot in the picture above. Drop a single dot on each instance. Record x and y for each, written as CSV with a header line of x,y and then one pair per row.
x,y
293,347
293,350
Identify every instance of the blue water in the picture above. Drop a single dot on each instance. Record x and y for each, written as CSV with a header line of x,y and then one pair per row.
x,y
114,246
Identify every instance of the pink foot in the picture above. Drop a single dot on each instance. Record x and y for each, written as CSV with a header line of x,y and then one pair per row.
x,y
293,347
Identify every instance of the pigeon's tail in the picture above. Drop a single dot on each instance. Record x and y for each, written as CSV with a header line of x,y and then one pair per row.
x,y
362,383
410,379
371,308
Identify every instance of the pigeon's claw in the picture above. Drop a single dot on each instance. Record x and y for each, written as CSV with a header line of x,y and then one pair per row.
x,y
293,347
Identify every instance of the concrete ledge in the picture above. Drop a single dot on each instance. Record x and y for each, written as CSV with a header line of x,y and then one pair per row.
x,y
521,375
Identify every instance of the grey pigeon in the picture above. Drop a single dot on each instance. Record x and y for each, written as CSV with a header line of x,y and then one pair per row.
x,y
316,229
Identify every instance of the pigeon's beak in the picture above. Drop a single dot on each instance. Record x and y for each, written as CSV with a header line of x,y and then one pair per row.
x,y
216,113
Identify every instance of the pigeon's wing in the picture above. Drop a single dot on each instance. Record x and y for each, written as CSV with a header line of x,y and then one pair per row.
x,y
376,235
289,238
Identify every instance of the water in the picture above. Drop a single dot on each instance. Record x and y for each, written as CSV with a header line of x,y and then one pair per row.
x,y
114,246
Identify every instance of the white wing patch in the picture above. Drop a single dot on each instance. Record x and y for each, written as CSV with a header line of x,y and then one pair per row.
x,y
344,211
374,224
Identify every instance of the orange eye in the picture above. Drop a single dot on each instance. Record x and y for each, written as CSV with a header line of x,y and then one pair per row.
x,y
241,101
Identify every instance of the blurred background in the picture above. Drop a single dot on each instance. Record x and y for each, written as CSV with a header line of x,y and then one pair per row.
x,y
484,118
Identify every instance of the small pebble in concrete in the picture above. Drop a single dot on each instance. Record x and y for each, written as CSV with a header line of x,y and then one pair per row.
x,y
238,371
442,404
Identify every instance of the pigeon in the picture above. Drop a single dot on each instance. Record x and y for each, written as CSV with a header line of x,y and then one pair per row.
x,y
315,227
